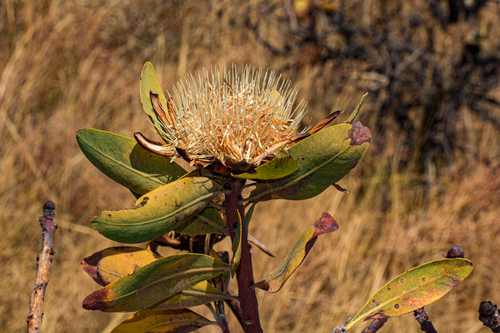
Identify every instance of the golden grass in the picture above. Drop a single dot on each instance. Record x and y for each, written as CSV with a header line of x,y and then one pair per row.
x,y
70,65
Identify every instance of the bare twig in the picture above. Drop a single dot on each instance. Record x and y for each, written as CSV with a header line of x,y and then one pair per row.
x,y
222,321
235,306
424,320
44,260
488,315
341,328
375,325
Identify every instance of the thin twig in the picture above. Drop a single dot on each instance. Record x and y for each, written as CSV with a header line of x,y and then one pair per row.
x,y
375,325
222,319
341,328
44,260
488,315
235,306
424,320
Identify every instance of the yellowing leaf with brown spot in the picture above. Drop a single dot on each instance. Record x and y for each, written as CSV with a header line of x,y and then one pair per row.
x,y
414,289
158,211
111,264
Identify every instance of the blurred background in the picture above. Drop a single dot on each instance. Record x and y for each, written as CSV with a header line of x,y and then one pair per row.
x,y
430,180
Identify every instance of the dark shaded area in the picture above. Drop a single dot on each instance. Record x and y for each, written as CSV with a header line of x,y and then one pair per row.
x,y
419,83
425,322
488,315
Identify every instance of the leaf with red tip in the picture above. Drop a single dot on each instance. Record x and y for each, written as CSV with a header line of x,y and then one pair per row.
x,y
155,282
414,289
324,158
277,278
111,264
163,321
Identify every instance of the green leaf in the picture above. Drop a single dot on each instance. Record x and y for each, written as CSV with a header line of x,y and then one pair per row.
x,y
208,221
111,264
199,294
126,162
163,321
158,212
414,289
280,166
356,110
324,158
237,246
150,84
277,278
249,214
155,282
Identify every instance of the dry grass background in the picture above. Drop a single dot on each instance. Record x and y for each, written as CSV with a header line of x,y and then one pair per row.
x,y
67,65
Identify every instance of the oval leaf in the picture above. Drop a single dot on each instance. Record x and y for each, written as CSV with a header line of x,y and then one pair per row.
x,y
111,264
163,321
280,166
324,158
158,212
208,221
199,294
277,278
155,282
414,289
126,162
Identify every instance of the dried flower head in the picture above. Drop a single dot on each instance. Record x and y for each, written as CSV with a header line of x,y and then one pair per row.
x,y
237,120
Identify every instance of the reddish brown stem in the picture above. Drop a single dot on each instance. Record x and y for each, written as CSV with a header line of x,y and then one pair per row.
x,y
375,325
244,273
44,260
424,320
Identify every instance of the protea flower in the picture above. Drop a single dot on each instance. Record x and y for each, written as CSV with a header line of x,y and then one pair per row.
x,y
226,120
239,126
